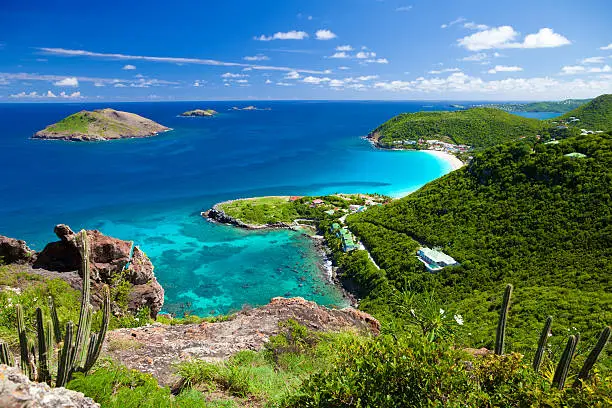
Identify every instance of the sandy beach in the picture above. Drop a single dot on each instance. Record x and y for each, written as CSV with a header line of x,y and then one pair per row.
x,y
451,159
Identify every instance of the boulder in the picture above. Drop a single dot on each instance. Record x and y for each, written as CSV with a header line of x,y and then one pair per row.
x,y
17,391
111,258
14,251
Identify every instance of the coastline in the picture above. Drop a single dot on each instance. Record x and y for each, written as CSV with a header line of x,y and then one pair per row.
x,y
451,159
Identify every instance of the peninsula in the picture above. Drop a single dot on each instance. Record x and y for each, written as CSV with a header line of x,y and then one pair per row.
x,y
100,125
200,112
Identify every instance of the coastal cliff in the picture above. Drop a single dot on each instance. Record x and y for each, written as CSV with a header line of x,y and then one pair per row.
x,y
100,125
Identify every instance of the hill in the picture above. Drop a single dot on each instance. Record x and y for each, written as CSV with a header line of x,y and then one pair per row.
x,y
476,127
101,124
518,213
595,115
549,106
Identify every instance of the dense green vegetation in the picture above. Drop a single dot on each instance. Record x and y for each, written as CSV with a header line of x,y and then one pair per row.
x,y
476,127
550,106
75,123
300,368
519,213
595,115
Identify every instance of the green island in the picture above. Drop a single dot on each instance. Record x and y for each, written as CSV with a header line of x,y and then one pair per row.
x,y
100,125
549,106
200,112
489,286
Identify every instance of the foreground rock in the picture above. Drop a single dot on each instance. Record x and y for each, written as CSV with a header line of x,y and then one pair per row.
x,y
14,251
17,391
111,259
157,348
101,124
200,112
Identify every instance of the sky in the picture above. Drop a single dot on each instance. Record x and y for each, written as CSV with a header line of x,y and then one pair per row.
x,y
304,49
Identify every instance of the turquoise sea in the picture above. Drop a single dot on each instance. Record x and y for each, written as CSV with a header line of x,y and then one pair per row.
x,y
153,190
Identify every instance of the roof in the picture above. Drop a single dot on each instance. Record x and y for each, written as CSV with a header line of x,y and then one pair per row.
x,y
438,256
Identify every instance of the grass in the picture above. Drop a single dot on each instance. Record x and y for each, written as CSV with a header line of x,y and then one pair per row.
x,y
76,123
262,210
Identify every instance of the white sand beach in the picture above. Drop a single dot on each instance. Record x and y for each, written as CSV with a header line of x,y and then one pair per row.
x,y
451,159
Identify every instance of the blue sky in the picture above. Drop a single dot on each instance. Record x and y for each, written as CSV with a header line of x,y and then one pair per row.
x,y
316,49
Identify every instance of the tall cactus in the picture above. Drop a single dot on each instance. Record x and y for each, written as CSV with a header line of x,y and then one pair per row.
x,y
6,357
81,334
593,356
43,363
79,352
500,338
537,360
23,342
564,364
57,331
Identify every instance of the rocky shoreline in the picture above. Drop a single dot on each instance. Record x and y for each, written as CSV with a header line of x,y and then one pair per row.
x,y
217,215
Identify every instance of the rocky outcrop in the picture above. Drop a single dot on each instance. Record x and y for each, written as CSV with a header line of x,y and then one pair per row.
x,y
16,391
111,259
157,348
200,112
14,251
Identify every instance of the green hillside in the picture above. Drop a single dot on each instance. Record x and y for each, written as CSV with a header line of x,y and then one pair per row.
x,y
595,115
477,127
522,214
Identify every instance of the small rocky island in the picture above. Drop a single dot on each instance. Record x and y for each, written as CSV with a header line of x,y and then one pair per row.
x,y
99,125
200,112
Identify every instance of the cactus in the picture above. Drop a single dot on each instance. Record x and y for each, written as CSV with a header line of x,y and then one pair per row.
x,y
6,357
564,364
593,356
80,350
537,360
57,331
500,338
43,364
23,342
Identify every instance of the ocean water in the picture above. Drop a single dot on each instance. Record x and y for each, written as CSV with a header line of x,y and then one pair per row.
x,y
153,190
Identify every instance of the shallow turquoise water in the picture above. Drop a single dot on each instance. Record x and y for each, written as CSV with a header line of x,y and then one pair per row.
x,y
153,190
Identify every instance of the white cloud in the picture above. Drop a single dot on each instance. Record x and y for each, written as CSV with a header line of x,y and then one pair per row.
x,y
606,47
198,83
404,8
325,35
120,85
258,57
289,35
340,54
473,26
268,81
293,75
505,36
481,56
335,83
593,60
283,84
70,81
171,60
129,67
579,69
503,68
344,48
98,84
242,81
315,80
23,76
365,54
367,77
440,71
231,75
452,23
378,61
343,68
48,94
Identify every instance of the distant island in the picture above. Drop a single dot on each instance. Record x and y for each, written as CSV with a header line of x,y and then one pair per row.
x,y
100,125
249,108
200,112
555,106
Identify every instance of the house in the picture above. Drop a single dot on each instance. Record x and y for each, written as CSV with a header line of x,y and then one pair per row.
x,y
348,244
318,201
357,208
294,198
435,260
334,227
329,212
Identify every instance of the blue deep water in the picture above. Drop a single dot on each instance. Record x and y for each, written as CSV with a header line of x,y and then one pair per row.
x,y
152,190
